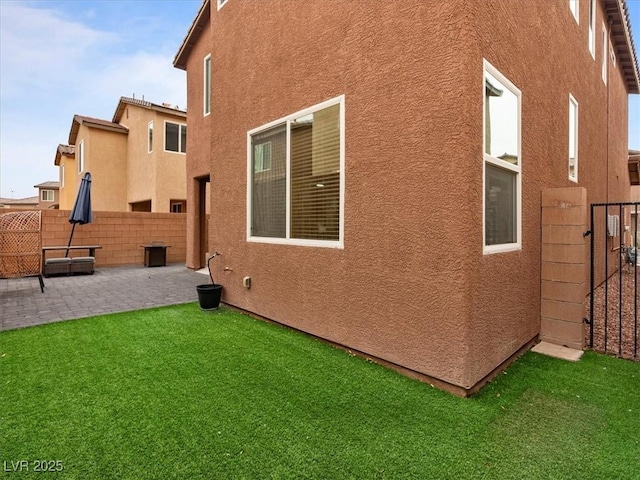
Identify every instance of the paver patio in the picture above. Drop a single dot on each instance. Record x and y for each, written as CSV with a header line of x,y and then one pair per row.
x,y
115,289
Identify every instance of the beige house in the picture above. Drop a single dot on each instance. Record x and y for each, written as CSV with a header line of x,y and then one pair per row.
x,y
48,195
137,160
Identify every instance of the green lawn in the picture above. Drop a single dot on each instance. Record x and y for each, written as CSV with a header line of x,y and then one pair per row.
x,y
176,393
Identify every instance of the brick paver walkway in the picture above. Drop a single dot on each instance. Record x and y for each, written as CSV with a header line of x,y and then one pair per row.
x,y
108,290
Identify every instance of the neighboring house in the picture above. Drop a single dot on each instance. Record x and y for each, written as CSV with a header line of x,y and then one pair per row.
x,y
28,203
48,195
377,169
65,160
137,160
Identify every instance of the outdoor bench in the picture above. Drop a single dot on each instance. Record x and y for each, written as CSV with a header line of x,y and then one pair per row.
x,y
69,265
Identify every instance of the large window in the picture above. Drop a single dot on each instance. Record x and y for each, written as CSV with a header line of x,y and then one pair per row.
x,y
573,139
80,155
296,178
207,85
502,162
175,137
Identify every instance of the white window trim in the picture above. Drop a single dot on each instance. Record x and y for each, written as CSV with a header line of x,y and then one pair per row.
x,y
42,199
206,82
221,3
574,6
164,137
612,52
592,28
81,156
573,136
605,50
62,175
517,245
297,241
150,138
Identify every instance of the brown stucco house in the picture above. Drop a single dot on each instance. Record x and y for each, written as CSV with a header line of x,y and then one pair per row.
x,y
378,169
137,159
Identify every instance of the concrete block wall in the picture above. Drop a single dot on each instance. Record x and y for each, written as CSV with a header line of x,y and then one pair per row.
x,y
564,272
120,234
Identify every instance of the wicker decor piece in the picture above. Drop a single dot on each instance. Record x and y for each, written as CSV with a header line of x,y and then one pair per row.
x,y
20,244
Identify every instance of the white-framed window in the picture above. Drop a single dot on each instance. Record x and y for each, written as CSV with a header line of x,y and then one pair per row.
x,y
46,195
62,175
574,6
592,28
295,177
221,3
150,137
80,155
573,139
604,53
176,207
206,70
175,137
502,162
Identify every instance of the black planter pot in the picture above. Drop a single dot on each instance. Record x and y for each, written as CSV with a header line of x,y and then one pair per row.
x,y
209,296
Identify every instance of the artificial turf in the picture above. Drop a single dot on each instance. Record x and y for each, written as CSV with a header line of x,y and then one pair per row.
x,y
177,393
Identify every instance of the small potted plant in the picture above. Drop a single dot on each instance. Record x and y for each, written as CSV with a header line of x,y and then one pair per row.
x,y
209,293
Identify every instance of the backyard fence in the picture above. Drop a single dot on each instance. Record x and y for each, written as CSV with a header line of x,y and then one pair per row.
x,y
612,307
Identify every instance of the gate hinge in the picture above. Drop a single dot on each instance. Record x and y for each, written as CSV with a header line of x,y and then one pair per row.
x,y
587,233
586,320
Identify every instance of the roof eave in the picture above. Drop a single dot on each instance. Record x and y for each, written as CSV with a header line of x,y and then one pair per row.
x,y
620,29
198,25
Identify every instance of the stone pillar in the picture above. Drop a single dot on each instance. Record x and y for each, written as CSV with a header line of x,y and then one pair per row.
x,y
564,271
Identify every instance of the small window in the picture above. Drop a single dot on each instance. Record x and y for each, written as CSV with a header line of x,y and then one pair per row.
x,y
207,85
574,5
46,195
502,162
150,138
175,137
604,53
592,28
221,3
176,207
81,156
573,139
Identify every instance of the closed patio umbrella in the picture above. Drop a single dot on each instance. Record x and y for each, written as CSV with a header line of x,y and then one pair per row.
x,y
81,212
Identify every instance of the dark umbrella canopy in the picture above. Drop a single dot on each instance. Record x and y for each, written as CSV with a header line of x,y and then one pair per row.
x,y
81,212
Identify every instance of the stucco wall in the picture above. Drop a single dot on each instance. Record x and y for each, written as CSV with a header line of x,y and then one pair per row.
x,y
105,158
198,140
411,284
68,186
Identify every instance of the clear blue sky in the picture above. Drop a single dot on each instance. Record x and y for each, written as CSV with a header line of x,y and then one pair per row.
x,y
60,58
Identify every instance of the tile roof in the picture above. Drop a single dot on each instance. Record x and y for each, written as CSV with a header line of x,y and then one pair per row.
x,y
49,184
164,108
93,123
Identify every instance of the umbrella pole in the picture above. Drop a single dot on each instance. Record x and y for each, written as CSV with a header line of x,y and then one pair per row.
x,y
70,238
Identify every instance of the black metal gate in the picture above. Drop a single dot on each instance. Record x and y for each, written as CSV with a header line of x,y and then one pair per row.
x,y
612,309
